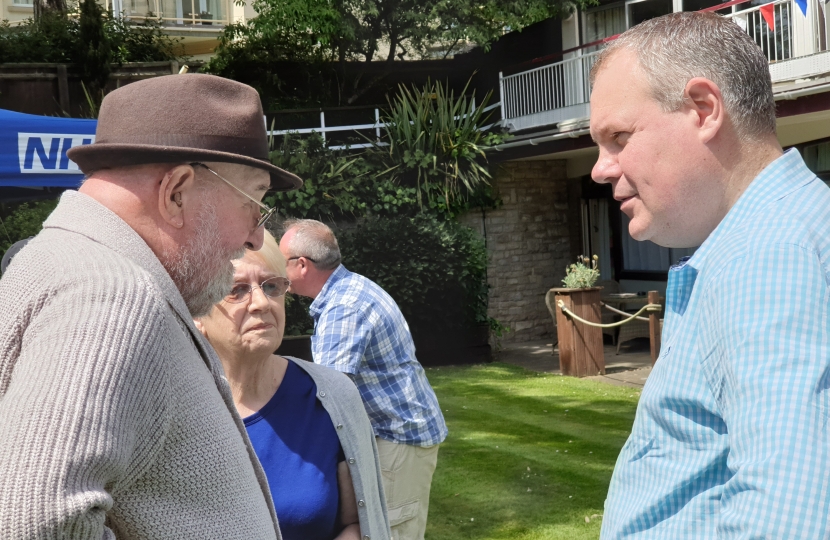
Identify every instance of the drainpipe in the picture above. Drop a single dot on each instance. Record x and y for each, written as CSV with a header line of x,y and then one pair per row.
x,y
795,94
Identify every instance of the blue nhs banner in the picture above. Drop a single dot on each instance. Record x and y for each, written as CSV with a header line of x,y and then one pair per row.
x,y
33,149
39,153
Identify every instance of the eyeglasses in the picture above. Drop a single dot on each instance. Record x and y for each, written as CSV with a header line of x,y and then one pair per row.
x,y
272,288
265,210
300,257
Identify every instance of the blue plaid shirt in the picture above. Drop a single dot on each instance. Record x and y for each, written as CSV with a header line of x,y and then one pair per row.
x,y
731,435
360,331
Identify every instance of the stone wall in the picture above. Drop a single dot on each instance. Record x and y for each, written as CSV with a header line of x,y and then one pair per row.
x,y
529,243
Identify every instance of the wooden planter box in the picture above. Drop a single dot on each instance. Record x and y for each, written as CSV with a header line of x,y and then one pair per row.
x,y
580,345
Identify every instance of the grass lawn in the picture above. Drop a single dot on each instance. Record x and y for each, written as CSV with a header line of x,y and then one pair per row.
x,y
529,455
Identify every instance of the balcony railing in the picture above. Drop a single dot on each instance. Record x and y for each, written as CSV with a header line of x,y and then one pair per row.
x,y
798,48
194,14
777,44
548,94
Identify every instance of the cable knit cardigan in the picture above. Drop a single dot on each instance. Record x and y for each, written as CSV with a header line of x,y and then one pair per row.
x,y
115,418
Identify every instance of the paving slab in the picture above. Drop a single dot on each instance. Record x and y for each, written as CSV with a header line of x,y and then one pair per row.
x,y
629,368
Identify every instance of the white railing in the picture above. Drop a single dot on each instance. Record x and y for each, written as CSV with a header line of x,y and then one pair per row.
x,y
323,129
548,87
777,44
561,86
798,48
796,34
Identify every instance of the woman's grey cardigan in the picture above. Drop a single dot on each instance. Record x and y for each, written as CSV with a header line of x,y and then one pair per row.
x,y
342,401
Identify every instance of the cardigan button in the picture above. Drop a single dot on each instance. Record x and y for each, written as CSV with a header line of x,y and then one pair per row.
x,y
366,537
339,426
322,393
351,460
361,503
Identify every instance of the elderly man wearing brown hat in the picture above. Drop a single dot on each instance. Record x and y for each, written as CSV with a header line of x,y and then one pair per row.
x,y
115,418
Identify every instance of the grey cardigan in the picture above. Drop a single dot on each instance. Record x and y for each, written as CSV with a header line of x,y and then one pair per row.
x,y
115,417
342,401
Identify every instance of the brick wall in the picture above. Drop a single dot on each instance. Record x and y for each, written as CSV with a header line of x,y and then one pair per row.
x,y
529,241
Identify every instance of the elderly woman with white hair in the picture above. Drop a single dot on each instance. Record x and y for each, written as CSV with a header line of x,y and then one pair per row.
x,y
306,422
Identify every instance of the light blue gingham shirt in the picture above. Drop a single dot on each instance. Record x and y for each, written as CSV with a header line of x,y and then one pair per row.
x,y
731,437
359,330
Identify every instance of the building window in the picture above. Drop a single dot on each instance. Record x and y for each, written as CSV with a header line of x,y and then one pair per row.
x,y
643,11
647,257
604,22
22,2
817,158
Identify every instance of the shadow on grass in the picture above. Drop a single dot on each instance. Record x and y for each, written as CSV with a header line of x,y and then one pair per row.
x,y
529,455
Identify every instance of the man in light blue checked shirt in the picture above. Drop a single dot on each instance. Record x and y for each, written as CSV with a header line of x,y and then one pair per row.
x,y
359,330
731,435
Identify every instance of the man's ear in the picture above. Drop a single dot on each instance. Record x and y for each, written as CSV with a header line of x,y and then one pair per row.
x,y
305,267
704,101
175,192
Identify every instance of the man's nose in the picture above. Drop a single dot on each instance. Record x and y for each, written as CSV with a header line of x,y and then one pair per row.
x,y
255,239
606,169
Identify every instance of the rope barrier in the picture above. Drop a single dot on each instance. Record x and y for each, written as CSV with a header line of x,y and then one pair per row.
x,y
647,307
620,312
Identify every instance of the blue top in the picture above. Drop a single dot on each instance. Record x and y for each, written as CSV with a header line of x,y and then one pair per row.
x,y
360,331
298,447
731,436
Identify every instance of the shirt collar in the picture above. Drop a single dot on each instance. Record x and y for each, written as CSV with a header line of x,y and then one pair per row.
x,y
778,179
316,307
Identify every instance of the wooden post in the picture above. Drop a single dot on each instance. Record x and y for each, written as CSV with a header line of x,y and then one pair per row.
x,y
654,329
581,352
63,89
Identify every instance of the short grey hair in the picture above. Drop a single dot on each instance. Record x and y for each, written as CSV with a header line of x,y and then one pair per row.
x,y
678,47
313,240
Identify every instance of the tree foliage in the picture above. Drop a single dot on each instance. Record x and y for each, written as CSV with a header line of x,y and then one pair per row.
x,y
434,269
94,52
435,142
430,159
22,221
397,202
59,38
389,29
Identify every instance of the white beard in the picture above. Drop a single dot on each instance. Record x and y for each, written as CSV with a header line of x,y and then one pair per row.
x,y
202,274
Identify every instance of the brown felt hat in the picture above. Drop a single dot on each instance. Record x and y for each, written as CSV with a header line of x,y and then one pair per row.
x,y
181,118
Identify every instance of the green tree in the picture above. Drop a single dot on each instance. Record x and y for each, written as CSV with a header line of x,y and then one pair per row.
x,y
319,34
23,221
360,29
56,38
94,50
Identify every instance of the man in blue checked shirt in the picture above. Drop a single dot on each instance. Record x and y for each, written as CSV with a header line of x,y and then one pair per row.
x,y
360,331
731,435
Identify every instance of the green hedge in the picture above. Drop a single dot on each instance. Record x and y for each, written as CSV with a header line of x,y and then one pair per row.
x,y
434,269
22,221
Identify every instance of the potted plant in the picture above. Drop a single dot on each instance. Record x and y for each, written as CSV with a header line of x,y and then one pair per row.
x,y
206,17
580,344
